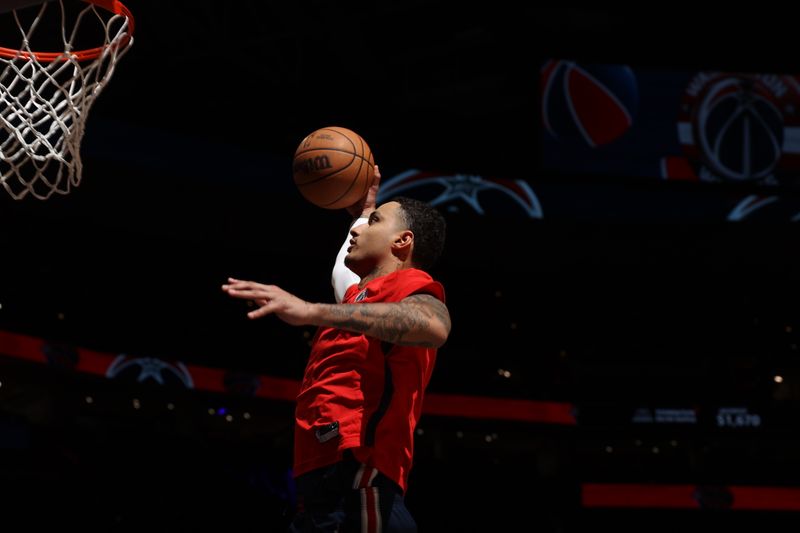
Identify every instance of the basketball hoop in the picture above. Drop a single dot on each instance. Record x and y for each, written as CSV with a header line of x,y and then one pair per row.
x,y
45,97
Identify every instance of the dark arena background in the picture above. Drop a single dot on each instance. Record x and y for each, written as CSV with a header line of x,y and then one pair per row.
x,y
622,191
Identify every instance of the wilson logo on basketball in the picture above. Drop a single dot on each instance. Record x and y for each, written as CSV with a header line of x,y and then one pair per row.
x,y
312,164
739,127
333,167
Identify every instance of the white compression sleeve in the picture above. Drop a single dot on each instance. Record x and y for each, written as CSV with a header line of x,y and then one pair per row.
x,y
342,277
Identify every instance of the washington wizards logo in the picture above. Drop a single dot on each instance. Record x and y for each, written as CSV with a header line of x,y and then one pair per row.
x,y
766,208
740,127
141,369
481,195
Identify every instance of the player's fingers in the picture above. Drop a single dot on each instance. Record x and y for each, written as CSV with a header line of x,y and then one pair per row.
x,y
248,294
239,284
264,310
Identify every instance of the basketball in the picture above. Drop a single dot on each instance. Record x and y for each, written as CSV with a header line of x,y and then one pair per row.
x,y
333,167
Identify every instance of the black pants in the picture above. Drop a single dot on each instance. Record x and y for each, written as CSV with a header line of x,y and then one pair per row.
x,y
349,497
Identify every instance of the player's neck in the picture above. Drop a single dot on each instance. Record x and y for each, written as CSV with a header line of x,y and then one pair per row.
x,y
382,270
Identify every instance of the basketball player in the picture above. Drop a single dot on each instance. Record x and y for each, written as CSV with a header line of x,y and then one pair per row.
x,y
371,360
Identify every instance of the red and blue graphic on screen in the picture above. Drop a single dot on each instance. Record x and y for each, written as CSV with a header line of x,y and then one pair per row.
x,y
618,121
589,104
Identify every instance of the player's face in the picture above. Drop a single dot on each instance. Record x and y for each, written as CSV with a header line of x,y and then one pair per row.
x,y
371,243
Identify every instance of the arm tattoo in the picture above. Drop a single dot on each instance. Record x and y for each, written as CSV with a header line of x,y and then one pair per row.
x,y
405,323
433,306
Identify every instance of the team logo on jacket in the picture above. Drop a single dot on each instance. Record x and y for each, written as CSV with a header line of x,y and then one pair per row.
x,y
492,196
741,127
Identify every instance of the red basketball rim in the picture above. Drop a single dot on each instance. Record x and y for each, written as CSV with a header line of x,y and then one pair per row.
x,y
114,6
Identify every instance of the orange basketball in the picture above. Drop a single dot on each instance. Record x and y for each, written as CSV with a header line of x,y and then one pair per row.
x,y
333,167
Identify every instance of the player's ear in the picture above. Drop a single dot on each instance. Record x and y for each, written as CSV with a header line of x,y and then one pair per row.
x,y
403,240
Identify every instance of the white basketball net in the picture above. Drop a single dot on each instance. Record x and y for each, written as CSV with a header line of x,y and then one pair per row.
x,y
45,99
